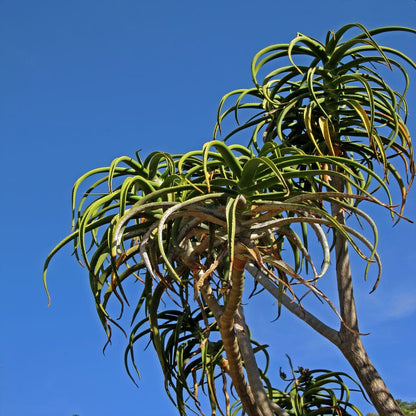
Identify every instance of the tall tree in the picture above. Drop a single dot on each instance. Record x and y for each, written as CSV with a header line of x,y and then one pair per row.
x,y
329,99
190,226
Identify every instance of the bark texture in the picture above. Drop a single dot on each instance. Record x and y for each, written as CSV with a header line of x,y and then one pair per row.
x,y
349,339
267,407
226,321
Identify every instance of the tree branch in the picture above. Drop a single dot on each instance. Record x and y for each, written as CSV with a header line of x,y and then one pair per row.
x,y
350,341
229,339
225,320
323,329
267,407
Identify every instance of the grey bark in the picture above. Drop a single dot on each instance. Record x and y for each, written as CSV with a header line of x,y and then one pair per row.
x,y
267,407
350,342
347,342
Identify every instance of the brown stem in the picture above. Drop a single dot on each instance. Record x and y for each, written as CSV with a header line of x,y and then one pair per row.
x,y
229,338
225,320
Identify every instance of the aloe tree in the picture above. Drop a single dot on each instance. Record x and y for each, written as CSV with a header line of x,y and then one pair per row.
x,y
329,100
192,228
186,226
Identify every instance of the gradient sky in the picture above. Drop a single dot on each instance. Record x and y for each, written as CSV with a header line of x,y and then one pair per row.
x,y
82,82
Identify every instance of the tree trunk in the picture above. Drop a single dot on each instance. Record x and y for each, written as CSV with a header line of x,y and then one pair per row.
x,y
371,380
226,319
349,339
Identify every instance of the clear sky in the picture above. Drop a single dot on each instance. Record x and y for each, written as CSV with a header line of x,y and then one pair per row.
x,y
82,82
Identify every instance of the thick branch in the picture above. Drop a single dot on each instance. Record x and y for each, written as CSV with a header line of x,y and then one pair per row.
x,y
323,329
225,319
351,345
252,370
233,355
347,307
228,336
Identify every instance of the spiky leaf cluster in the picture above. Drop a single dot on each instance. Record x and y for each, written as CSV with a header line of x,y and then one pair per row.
x,y
172,222
330,98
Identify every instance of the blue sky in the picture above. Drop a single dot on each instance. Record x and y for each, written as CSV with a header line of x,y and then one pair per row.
x,y
83,82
